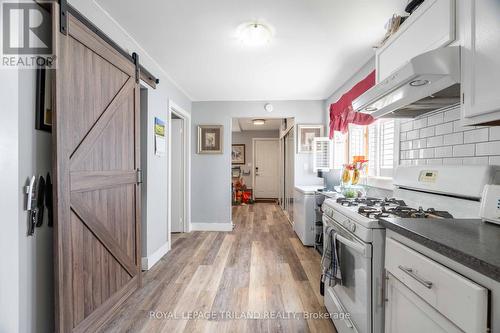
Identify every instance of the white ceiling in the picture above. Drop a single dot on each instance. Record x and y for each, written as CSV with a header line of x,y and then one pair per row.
x,y
317,46
246,124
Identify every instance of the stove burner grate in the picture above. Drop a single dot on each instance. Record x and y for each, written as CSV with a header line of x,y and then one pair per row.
x,y
372,213
347,202
392,201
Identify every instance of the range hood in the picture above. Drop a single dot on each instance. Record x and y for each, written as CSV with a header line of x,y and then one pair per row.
x,y
428,82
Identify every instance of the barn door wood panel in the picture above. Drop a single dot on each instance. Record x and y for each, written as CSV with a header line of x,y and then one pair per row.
x,y
97,201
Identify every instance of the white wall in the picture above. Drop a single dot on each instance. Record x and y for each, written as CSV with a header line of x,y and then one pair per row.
x,y
9,202
36,265
26,270
211,174
245,137
440,138
155,189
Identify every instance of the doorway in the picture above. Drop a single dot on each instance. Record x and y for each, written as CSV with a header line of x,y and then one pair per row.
x,y
178,174
266,169
287,169
255,171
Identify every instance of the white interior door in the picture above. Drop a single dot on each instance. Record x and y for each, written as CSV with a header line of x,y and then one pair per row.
x,y
266,168
177,178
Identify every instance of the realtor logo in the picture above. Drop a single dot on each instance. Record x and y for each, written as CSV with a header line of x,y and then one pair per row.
x,y
26,34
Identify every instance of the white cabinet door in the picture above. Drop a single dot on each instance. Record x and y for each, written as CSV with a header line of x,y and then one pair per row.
x,y
481,61
431,26
406,312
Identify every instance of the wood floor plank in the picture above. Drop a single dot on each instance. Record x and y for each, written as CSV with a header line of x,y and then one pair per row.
x,y
257,270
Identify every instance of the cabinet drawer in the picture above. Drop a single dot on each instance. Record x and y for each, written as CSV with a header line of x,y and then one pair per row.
x,y
462,301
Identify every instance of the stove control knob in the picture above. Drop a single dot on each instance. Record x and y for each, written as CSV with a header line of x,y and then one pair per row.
x,y
352,227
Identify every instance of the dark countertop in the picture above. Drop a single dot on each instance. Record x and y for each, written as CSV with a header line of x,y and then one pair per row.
x,y
472,243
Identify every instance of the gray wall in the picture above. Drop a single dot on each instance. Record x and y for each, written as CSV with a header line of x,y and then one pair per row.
x,y
245,137
156,187
211,174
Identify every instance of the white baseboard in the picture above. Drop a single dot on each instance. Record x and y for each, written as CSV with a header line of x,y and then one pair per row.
x,y
212,226
148,262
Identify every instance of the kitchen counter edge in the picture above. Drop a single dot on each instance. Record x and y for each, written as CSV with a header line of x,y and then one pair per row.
x,y
406,228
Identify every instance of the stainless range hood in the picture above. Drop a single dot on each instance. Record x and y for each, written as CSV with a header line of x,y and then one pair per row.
x,y
428,82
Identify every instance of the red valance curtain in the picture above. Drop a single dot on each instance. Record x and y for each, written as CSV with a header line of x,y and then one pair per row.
x,y
342,113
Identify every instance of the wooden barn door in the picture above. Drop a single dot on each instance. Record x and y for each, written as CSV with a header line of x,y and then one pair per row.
x,y
97,192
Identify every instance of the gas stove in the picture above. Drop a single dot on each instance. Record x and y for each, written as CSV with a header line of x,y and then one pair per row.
x,y
361,237
375,208
367,211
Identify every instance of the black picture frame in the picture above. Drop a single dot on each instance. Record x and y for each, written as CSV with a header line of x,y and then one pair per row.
x,y
243,154
43,115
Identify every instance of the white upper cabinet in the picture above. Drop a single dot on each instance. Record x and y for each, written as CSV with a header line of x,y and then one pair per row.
x,y
481,62
431,26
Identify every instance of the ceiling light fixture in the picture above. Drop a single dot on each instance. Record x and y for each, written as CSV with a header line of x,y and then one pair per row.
x,y
258,122
254,34
371,109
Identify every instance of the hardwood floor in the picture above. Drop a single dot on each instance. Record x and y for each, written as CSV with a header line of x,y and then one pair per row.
x,y
259,269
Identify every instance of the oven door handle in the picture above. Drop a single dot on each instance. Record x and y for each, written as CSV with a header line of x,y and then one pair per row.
x,y
360,248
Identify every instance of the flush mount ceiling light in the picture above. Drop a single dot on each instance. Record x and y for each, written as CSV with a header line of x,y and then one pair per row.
x,y
258,122
371,109
254,34
419,83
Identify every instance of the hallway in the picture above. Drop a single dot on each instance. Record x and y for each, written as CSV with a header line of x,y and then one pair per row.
x,y
259,269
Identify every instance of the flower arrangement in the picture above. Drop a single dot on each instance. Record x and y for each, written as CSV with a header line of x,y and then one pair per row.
x,y
351,173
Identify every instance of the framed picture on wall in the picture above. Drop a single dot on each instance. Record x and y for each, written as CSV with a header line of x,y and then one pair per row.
x,y
43,107
238,154
210,139
306,135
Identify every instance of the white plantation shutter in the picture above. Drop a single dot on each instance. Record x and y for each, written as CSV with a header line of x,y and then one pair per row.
x,y
322,154
381,148
356,141
373,149
387,144
339,150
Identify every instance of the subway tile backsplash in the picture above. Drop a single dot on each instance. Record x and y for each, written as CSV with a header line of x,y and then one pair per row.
x,y
442,139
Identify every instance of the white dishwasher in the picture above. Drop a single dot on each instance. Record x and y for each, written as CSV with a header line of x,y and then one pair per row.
x,y
304,213
425,296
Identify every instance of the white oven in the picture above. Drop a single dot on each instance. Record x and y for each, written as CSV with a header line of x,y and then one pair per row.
x,y
354,294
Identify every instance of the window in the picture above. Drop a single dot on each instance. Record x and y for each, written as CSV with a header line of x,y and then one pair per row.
x,y
381,148
339,150
322,154
357,141
375,141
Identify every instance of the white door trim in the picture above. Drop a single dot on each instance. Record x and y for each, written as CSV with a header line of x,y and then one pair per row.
x,y
178,111
254,140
